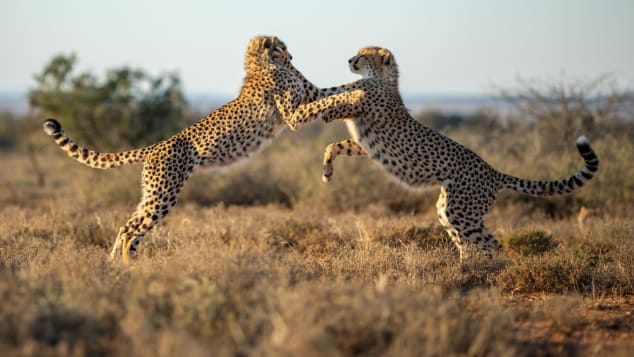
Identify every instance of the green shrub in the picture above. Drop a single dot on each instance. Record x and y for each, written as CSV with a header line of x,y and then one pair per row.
x,y
529,242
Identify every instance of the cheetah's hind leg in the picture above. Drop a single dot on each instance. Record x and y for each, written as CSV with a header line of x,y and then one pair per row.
x,y
119,241
464,222
117,245
454,234
157,201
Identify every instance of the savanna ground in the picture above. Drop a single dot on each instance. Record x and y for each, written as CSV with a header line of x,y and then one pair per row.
x,y
266,260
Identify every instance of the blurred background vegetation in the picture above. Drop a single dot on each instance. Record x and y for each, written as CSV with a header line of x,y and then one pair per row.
x,y
128,108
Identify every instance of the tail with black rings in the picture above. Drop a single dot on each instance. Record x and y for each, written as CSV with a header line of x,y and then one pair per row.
x,y
89,157
563,186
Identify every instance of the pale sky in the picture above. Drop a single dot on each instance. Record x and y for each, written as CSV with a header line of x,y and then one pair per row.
x,y
449,47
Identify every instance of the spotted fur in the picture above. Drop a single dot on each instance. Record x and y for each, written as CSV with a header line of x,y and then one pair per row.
x,y
272,91
418,156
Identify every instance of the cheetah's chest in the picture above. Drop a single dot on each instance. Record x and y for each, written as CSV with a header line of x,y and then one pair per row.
x,y
396,151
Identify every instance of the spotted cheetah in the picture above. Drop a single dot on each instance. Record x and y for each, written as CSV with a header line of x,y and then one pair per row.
x,y
272,91
417,156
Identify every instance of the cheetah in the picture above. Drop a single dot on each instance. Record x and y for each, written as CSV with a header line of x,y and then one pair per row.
x,y
418,156
271,92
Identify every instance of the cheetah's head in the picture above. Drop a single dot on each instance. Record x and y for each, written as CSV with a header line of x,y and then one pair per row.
x,y
266,50
374,62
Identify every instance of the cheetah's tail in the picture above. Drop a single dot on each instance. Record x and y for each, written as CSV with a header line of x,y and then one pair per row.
x,y
88,157
563,186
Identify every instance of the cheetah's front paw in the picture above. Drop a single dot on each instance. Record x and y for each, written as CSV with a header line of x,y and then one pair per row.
x,y
326,176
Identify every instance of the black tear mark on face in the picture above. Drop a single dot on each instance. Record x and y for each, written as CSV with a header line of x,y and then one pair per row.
x,y
354,61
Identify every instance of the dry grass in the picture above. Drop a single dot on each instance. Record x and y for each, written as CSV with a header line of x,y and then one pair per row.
x,y
311,270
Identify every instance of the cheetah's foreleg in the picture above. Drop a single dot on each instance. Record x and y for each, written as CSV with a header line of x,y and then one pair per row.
x,y
347,147
338,106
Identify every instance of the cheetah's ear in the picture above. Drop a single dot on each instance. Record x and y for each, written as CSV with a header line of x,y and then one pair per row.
x,y
267,43
387,59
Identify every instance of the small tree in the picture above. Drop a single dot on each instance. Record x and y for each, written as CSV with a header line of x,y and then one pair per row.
x,y
127,107
8,131
553,114
559,111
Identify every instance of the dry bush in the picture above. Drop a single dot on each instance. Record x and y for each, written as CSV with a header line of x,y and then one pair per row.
x,y
529,242
390,320
596,262
424,237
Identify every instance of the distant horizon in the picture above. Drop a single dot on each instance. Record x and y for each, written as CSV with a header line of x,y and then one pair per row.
x,y
16,102
229,95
